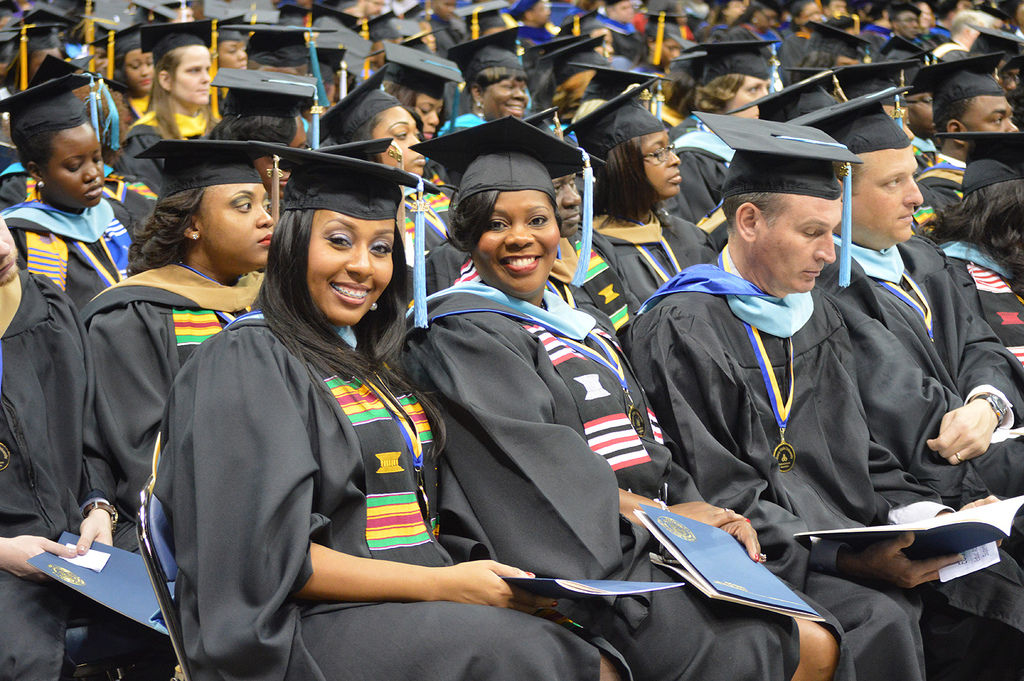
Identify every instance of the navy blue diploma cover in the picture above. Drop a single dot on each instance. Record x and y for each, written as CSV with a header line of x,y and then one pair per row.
x,y
715,563
122,585
584,588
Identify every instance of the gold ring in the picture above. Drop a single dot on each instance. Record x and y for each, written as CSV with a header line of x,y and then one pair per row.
x,y
957,457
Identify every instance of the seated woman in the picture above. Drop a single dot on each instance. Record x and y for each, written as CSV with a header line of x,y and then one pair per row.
x,y
193,269
293,434
495,80
70,233
179,105
551,444
641,172
983,234
131,66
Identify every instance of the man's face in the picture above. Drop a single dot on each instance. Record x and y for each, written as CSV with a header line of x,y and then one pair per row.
x,y
919,114
885,197
987,113
906,25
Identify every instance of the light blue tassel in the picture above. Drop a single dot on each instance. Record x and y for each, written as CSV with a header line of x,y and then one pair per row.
x,y
775,80
94,106
586,224
419,263
321,91
846,236
314,132
112,126
659,101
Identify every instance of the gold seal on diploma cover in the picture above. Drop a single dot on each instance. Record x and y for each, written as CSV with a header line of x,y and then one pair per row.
x,y
677,528
5,456
786,456
65,575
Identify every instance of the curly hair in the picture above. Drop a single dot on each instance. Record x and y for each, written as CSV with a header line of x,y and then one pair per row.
x,y
716,95
161,241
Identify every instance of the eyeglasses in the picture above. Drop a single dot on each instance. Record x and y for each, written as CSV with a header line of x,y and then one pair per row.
x,y
660,155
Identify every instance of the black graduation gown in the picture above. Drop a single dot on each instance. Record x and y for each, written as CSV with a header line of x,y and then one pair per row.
x,y
941,186
532,452
141,336
688,243
148,170
448,33
50,462
259,460
963,352
701,190
1001,307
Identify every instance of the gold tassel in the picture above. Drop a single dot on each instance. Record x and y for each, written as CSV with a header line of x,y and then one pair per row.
x,y
110,55
23,57
660,40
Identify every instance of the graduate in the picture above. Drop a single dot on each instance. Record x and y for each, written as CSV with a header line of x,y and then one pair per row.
x,y
752,372
418,80
194,269
641,171
69,232
904,282
495,80
131,66
545,460
320,457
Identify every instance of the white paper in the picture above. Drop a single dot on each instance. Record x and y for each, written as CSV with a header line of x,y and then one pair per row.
x,y
975,559
93,559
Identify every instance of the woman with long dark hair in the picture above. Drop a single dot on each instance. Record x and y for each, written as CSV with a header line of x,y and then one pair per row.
x,y
194,268
298,474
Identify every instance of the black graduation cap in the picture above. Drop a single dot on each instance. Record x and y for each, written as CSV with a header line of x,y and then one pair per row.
x,y
608,82
576,58
862,79
485,16
993,10
835,40
53,67
534,53
1013,63
125,41
800,157
507,154
669,25
290,14
278,46
152,8
47,107
162,38
387,26
521,7
345,118
895,8
992,40
961,79
497,50
240,11
418,41
115,14
420,71
581,23
861,124
264,93
328,179
327,16
806,96
342,45
992,157
708,61
899,48
619,119
43,28
193,164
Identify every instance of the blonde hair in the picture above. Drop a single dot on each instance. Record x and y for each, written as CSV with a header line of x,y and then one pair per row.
x,y
716,95
160,100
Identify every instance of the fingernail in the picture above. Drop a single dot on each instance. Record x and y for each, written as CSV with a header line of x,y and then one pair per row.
x,y
748,520
554,604
530,574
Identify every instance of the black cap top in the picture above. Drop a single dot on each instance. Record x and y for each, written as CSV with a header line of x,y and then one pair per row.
x,y
489,15
162,38
993,10
115,14
264,93
799,98
381,27
507,154
343,120
154,9
290,14
708,61
961,79
608,83
619,119
47,107
345,184
279,46
992,40
420,71
835,40
992,157
497,51
899,48
861,124
51,68
863,79
800,157
193,164
581,23
125,40
244,12
576,58
897,7
44,29
670,28
332,17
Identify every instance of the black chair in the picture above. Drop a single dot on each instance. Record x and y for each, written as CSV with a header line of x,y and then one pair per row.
x,y
156,544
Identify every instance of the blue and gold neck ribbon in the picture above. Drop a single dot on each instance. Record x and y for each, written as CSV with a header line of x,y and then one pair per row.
x,y
919,306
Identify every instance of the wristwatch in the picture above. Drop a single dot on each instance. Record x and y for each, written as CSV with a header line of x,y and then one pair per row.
x,y
998,406
102,505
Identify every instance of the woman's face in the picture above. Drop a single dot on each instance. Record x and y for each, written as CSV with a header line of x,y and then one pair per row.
x,y
429,110
73,175
233,229
398,124
350,264
190,84
138,72
516,251
231,54
752,89
662,174
507,97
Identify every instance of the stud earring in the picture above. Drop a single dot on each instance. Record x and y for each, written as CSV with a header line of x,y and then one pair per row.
x,y
194,236
373,306
40,184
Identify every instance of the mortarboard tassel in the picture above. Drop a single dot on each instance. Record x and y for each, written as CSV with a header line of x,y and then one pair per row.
x,y
659,101
214,62
474,27
90,34
586,223
419,263
112,123
110,55
846,236
275,190
576,24
344,80
321,93
659,41
23,58
775,80
94,105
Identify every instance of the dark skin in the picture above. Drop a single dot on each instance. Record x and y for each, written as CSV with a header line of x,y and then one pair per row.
x,y
985,113
72,178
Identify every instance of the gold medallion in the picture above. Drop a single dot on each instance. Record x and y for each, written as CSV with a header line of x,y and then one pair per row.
x,y
637,420
785,455
5,456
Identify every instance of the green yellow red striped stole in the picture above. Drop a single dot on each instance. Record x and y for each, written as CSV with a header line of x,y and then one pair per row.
x,y
394,520
48,255
192,327
605,289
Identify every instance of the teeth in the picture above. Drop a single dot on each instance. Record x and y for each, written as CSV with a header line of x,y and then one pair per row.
x,y
351,293
520,262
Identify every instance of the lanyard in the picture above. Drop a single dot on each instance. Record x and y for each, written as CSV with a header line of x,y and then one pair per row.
x,y
105,274
783,453
922,307
402,419
224,316
653,262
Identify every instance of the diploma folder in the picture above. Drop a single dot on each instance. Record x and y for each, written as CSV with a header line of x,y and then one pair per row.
x,y
939,536
715,563
584,588
122,585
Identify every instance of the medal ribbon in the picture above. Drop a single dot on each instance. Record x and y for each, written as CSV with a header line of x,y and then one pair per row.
x,y
400,417
653,262
922,308
779,408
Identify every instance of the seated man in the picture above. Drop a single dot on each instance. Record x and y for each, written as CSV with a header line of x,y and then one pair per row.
x,y
753,374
